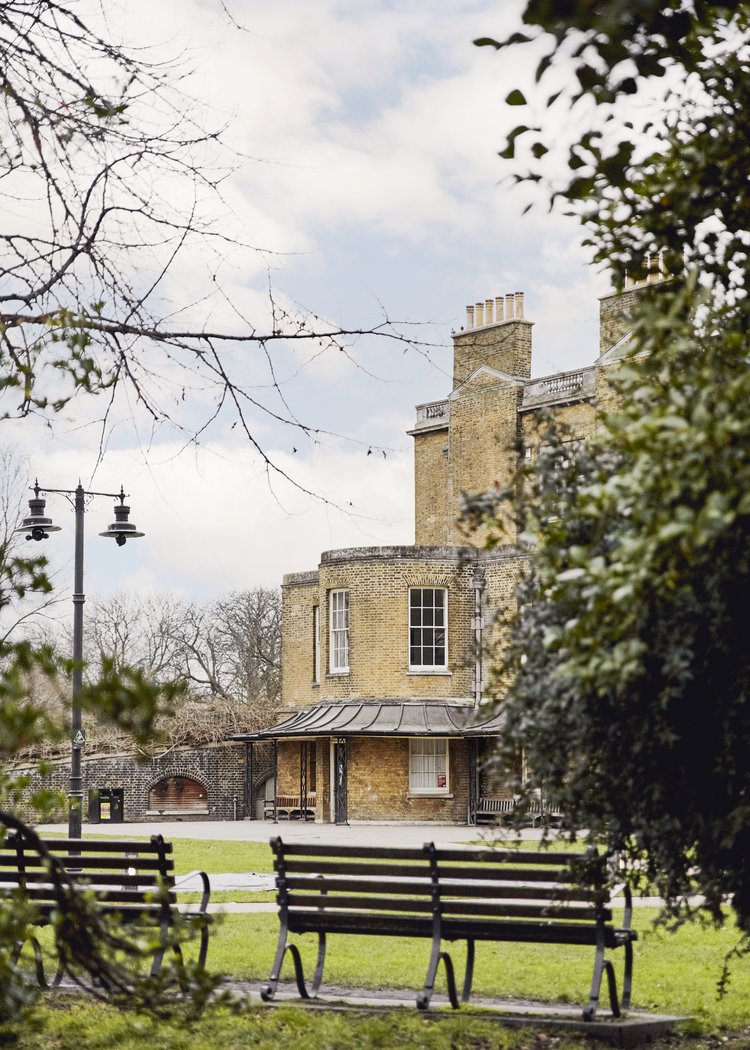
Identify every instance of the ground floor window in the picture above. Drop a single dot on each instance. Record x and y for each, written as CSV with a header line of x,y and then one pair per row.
x,y
428,766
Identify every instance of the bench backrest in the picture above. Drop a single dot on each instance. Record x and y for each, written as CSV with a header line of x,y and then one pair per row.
x,y
519,884
407,885
131,877
365,889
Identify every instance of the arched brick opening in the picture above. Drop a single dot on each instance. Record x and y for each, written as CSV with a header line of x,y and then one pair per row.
x,y
178,794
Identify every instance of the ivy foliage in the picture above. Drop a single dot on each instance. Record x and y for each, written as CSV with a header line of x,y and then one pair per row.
x,y
629,665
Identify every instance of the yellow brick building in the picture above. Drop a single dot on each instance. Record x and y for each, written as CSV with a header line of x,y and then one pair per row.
x,y
385,714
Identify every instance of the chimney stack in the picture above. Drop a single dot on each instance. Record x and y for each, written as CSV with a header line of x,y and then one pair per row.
x,y
497,335
495,311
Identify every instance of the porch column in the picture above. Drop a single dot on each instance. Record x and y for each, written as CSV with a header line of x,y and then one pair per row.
x,y
473,743
303,780
249,776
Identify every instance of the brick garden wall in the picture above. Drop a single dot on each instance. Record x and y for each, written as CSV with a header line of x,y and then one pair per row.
x,y
220,768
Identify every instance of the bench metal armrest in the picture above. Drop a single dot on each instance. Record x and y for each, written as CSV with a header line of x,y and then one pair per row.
x,y
623,890
206,887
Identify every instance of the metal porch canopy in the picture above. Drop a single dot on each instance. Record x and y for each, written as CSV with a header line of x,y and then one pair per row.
x,y
372,718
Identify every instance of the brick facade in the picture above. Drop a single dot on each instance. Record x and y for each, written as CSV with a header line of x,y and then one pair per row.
x,y
471,441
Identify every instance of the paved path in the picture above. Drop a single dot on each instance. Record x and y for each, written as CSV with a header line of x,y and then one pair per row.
x,y
290,830
296,831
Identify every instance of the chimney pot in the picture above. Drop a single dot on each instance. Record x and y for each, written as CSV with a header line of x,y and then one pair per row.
x,y
519,304
479,314
488,305
499,308
469,316
509,307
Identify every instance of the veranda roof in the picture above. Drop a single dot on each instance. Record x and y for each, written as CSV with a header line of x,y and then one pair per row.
x,y
377,718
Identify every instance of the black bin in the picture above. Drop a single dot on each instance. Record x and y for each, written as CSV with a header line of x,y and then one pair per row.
x,y
106,806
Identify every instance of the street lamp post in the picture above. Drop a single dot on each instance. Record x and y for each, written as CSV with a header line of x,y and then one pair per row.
x,y
38,527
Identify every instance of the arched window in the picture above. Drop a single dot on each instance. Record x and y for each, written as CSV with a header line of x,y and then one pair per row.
x,y
178,795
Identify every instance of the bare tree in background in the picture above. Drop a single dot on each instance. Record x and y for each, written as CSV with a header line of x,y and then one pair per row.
x,y
233,647
134,631
226,653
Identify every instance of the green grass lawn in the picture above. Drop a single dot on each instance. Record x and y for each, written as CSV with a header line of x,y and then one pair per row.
x,y
674,973
96,1027
214,857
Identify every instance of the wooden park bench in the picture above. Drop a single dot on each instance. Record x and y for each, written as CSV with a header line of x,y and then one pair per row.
x,y
132,880
444,895
492,809
288,807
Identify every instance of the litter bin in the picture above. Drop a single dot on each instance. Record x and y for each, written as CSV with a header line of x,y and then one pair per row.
x,y
106,806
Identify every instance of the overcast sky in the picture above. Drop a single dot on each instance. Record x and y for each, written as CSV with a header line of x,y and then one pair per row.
x,y
372,130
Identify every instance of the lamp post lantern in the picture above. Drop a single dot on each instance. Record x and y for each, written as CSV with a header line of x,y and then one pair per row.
x,y
38,527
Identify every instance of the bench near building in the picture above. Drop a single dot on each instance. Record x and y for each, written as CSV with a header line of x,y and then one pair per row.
x,y
385,711
448,895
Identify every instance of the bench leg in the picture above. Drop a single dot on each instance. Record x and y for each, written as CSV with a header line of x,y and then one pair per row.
x,y
600,967
468,973
204,946
423,999
268,991
589,1012
627,980
612,986
41,978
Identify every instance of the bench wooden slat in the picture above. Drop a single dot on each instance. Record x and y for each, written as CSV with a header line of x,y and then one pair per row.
x,y
79,862
373,885
364,885
145,882
347,867
527,932
366,925
520,891
504,873
45,894
104,846
358,902
316,849
450,909
506,856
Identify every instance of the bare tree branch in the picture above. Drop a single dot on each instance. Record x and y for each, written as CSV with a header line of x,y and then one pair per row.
x,y
108,183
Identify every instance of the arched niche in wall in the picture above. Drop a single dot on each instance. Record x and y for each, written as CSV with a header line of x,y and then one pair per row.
x,y
178,794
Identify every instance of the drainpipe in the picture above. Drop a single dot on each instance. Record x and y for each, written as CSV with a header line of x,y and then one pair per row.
x,y
249,776
477,623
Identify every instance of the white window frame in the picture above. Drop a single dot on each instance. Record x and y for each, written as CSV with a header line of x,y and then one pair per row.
x,y
338,632
316,644
423,629
429,764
